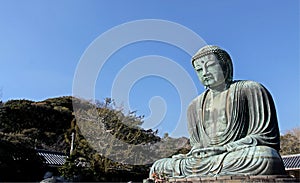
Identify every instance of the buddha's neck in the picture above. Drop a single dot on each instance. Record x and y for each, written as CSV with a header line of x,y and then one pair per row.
x,y
220,88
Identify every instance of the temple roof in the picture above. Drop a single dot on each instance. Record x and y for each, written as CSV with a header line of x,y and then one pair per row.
x,y
291,162
52,158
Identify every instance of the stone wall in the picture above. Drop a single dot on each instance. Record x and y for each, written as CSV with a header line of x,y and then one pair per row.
x,y
230,179
237,179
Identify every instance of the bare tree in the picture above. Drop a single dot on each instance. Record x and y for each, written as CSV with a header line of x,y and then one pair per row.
x,y
290,142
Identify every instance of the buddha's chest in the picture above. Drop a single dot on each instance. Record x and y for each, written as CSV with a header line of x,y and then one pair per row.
x,y
214,114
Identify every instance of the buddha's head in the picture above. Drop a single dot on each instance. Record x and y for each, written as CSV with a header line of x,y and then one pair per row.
x,y
213,66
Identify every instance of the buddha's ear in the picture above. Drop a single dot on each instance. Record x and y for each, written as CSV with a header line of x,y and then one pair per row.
x,y
227,74
228,77
229,70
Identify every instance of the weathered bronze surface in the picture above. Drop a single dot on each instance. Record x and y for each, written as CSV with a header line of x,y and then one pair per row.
x,y
233,125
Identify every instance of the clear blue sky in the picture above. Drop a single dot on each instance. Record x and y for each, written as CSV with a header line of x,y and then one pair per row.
x,y
41,43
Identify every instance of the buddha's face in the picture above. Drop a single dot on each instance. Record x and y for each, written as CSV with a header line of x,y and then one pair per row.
x,y
209,71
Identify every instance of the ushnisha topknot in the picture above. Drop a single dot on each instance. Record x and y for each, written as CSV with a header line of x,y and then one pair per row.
x,y
207,50
221,54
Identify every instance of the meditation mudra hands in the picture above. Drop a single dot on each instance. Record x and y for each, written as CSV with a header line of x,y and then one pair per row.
x,y
197,152
206,152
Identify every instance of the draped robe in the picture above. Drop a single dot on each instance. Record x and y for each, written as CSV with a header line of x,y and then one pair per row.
x,y
251,137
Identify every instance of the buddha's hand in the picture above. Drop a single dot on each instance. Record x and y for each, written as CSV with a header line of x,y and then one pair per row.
x,y
208,151
179,156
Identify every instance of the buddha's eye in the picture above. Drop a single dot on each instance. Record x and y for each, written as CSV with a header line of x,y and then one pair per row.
x,y
199,69
212,64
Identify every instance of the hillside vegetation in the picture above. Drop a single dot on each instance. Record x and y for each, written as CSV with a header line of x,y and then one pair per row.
x,y
27,125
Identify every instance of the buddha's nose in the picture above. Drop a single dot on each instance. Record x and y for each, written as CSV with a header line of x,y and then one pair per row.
x,y
205,72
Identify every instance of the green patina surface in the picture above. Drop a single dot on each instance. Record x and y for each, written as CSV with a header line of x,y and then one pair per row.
x,y
232,125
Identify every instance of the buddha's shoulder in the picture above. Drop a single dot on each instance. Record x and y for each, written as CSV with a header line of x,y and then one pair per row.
x,y
243,85
246,84
198,99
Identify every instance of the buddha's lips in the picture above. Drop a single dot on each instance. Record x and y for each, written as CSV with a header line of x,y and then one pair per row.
x,y
207,78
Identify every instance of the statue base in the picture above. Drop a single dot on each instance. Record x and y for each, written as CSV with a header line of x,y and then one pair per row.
x,y
230,179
